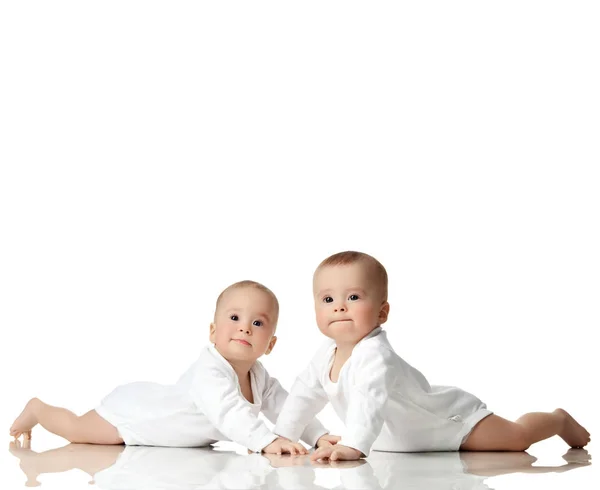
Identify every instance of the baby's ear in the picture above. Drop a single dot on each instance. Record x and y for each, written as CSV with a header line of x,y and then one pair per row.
x,y
271,345
211,335
384,312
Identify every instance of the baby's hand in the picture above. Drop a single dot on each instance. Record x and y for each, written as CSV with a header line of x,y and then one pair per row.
x,y
282,445
336,453
327,440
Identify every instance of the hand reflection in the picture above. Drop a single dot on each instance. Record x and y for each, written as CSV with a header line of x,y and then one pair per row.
x,y
135,467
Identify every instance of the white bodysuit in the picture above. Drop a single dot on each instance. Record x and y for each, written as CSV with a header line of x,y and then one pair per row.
x,y
385,404
206,405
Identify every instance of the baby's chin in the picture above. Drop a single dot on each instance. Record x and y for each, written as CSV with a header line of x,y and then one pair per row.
x,y
239,353
233,357
347,332
340,330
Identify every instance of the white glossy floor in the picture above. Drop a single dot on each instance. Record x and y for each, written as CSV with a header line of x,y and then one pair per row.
x,y
547,465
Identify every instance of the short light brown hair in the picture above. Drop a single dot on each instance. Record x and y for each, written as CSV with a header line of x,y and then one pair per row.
x,y
251,284
375,269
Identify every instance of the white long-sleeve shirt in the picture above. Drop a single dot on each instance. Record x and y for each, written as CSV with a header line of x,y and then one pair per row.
x,y
204,406
385,403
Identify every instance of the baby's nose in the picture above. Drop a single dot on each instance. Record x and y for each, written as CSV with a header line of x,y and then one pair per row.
x,y
340,308
245,330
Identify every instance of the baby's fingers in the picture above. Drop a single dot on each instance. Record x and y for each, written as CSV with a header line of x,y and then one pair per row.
x,y
336,455
301,449
344,454
322,453
294,449
288,448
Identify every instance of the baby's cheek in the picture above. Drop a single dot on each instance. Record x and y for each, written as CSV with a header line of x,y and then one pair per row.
x,y
321,318
364,312
223,335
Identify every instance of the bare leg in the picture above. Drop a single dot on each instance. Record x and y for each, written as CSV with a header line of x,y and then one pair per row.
x,y
494,433
89,428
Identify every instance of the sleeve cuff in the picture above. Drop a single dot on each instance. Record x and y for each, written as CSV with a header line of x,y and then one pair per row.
x,y
313,433
262,442
291,432
356,443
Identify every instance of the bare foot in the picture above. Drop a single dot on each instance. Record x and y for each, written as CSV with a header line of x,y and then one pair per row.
x,y
26,421
572,433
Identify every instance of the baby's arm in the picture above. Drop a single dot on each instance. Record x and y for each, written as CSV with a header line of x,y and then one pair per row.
x,y
217,396
273,402
307,398
366,407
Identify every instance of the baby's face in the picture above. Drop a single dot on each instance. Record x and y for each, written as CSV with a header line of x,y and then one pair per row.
x,y
348,305
244,324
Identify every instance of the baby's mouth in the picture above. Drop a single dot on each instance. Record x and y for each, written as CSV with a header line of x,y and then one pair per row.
x,y
243,342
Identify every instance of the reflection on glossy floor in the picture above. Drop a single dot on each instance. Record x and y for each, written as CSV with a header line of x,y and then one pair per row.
x,y
137,467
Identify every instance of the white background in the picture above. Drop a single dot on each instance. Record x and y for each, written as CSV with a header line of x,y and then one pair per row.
x,y
153,153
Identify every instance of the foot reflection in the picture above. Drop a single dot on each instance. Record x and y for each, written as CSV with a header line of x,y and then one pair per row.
x,y
135,467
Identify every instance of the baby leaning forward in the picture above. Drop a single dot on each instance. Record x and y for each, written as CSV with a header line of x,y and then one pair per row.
x,y
384,402
218,398
203,407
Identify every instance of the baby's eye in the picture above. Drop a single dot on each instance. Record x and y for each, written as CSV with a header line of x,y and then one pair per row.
x,y
235,318
257,323
328,299
353,297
